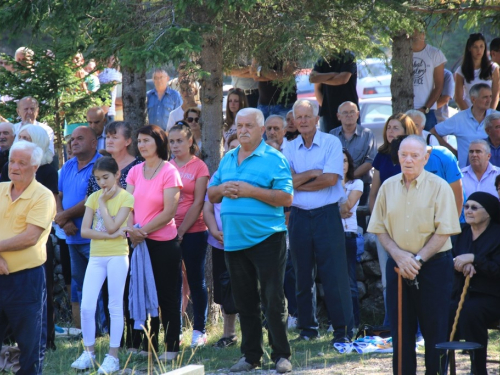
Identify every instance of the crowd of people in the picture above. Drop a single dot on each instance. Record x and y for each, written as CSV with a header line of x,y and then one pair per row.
x,y
280,214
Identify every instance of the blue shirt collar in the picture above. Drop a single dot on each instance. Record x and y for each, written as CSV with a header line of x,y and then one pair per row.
x,y
316,140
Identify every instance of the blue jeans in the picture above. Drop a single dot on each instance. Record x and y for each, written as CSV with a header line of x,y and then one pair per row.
x,y
257,275
194,253
427,305
351,250
430,120
79,255
22,299
317,244
276,109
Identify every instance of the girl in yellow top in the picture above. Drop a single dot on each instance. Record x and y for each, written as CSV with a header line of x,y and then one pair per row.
x,y
105,219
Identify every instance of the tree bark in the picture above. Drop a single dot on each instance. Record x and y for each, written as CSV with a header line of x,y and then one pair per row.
x,y
402,73
211,138
134,97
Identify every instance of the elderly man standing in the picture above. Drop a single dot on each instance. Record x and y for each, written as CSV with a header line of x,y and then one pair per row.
x,y
27,109
161,100
254,237
492,128
480,175
316,234
7,135
275,130
27,209
96,119
360,143
467,125
73,182
413,217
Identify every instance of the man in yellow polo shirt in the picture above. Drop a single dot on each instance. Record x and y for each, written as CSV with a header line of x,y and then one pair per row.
x,y
27,209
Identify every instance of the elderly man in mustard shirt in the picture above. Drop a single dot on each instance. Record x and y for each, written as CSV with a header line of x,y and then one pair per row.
x,y
414,216
27,209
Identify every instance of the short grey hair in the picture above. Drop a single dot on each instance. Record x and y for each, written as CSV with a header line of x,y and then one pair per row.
x,y
306,103
416,113
485,144
259,116
416,138
28,98
488,121
283,121
290,111
36,152
159,70
347,102
11,126
474,90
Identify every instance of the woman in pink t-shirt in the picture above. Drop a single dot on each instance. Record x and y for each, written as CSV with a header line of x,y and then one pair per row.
x,y
155,185
190,224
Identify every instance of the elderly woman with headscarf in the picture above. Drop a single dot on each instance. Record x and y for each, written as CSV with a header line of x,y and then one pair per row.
x,y
477,254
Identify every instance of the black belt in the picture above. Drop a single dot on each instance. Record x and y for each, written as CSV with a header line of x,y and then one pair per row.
x,y
351,234
250,92
440,255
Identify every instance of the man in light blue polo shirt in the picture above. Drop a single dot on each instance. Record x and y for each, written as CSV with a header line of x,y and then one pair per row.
x,y
73,181
467,125
317,239
254,183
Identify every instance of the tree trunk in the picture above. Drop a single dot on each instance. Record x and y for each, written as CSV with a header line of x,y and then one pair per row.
x,y
402,73
211,138
134,97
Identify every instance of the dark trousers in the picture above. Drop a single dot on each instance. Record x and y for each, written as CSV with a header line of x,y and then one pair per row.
x,y
22,299
289,286
48,332
194,253
430,120
257,275
351,248
478,312
317,244
253,98
426,305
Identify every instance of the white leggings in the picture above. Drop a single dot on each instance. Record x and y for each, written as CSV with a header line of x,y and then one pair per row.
x,y
116,269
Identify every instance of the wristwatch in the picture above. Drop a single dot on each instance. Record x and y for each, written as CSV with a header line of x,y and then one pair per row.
x,y
259,70
426,110
419,259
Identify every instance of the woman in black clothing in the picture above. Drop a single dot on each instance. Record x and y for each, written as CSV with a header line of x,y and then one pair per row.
x,y
477,254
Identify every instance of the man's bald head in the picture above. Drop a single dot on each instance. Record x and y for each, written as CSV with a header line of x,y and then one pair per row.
x,y
96,119
27,109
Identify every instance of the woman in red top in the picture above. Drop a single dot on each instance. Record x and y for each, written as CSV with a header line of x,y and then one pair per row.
x,y
191,227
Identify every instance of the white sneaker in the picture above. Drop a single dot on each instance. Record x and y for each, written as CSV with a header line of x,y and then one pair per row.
x,y
85,361
168,356
292,322
109,365
199,339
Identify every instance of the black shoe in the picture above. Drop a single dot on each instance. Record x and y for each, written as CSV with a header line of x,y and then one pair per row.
x,y
226,341
303,338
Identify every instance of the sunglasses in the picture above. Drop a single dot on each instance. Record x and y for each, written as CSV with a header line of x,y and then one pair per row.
x,y
471,207
191,119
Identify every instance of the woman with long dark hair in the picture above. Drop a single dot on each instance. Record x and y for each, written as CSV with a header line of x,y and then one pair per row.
x,y
476,68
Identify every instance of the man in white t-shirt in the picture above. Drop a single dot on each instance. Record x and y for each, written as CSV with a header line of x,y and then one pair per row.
x,y
111,75
428,77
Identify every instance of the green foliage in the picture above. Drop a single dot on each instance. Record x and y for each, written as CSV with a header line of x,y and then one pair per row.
x,y
51,79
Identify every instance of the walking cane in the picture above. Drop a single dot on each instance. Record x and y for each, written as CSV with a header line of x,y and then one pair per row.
x,y
400,322
451,353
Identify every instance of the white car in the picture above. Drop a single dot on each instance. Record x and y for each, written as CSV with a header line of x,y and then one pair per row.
x,y
374,79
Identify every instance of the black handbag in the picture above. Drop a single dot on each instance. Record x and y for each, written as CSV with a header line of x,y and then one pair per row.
x,y
227,294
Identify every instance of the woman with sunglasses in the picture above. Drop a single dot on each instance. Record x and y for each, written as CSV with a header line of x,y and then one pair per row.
x,y
188,93
476,68
192,118
477,254
236,100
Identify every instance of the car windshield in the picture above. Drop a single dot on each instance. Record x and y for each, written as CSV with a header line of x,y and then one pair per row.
x,y
303,84
372,70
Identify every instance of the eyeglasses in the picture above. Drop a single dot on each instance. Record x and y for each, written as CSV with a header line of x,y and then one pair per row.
x,y
191,119
471,207
345,113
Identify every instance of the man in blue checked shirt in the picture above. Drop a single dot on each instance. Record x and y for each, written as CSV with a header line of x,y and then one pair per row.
x,y
161,100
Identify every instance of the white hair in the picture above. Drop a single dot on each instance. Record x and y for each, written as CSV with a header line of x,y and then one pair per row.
x,y
490,118
417,139
259,116
11,126
306,103
485,144
348,102
281,118
39,137
36,152
416,113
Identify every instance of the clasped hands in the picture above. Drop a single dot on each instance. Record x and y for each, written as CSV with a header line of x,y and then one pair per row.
x,y
407,264
463,263
236,189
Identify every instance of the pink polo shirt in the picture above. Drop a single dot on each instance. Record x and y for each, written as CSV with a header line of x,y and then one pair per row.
x,y
148,197
190,172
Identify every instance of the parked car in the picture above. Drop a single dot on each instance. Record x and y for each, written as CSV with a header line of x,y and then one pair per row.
x,y
374,79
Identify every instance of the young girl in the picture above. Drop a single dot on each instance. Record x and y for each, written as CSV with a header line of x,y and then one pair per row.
x,y
105,219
